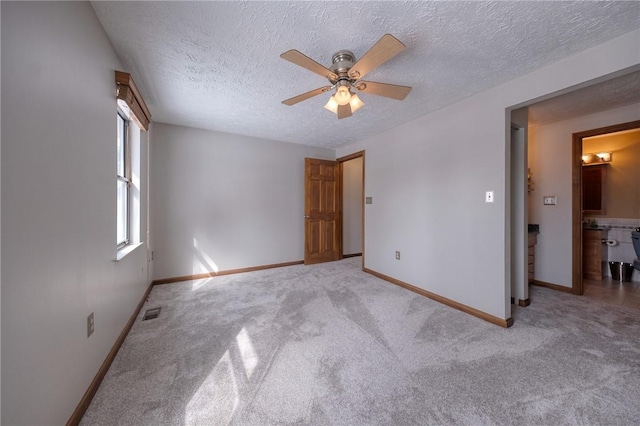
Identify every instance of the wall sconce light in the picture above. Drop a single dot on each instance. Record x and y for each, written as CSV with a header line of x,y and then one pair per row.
x,y
595,158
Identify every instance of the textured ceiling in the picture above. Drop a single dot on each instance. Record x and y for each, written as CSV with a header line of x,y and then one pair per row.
x,y
216,65
613,93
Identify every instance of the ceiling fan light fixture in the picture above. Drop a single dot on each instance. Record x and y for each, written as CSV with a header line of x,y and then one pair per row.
x,y
343,95
355,103
332,105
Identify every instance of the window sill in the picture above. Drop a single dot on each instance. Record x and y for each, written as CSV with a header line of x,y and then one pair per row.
x,y
121,253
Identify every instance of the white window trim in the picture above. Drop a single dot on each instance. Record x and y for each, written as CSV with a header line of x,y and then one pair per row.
x,y
123,251
127,179
134,193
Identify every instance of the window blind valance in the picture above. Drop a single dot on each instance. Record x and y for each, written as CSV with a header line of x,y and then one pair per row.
x,y
127,93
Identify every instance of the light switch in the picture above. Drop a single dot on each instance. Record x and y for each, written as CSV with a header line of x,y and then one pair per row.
x,y
549,200
368,200
489,197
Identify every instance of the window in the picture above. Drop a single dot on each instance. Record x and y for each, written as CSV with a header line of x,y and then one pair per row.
x,y
123,174
133,117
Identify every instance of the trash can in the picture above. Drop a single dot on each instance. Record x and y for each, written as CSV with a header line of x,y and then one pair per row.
x,y
621,271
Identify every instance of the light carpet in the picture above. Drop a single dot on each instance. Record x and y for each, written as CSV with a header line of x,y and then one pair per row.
x,y
331,345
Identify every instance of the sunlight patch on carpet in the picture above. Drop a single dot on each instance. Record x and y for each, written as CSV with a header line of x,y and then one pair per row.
x,y
217,399
247,352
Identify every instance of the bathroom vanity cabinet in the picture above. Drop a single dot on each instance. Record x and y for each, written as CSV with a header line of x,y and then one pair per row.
x,y
592,254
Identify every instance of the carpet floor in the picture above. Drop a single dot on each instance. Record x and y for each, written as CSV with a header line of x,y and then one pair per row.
x,y
331,345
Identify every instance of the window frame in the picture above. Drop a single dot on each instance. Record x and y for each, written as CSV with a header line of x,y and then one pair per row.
x,y
132,108
127,179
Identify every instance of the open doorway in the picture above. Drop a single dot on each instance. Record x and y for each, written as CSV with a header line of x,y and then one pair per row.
x,y
600,228
352,193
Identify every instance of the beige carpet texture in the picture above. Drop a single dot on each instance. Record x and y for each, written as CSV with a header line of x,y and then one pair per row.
x,y
331,345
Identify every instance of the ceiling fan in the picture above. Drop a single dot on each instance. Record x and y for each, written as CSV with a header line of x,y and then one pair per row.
x,y
345,73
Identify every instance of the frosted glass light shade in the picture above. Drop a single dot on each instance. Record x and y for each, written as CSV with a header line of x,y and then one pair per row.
x,y
332,105
343,95
356,103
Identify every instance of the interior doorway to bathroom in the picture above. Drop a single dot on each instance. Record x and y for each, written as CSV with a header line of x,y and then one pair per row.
x,y
610,220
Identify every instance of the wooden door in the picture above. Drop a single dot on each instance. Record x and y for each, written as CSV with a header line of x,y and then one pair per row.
x,y
322,222
592,254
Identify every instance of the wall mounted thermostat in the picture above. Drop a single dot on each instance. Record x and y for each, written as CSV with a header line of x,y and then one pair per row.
x,y
549,200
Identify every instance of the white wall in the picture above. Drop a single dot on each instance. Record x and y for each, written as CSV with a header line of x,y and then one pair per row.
x,y
221,201
352,204
428,180
58,210
550,152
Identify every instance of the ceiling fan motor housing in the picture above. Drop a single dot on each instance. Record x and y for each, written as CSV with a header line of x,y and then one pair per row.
x,y
342,62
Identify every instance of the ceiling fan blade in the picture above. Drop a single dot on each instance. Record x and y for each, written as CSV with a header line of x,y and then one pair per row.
x,y
344,111
392,91
304,61
305,96
386,48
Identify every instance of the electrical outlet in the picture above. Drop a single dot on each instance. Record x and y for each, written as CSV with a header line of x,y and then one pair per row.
x,y
90,324
397,255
